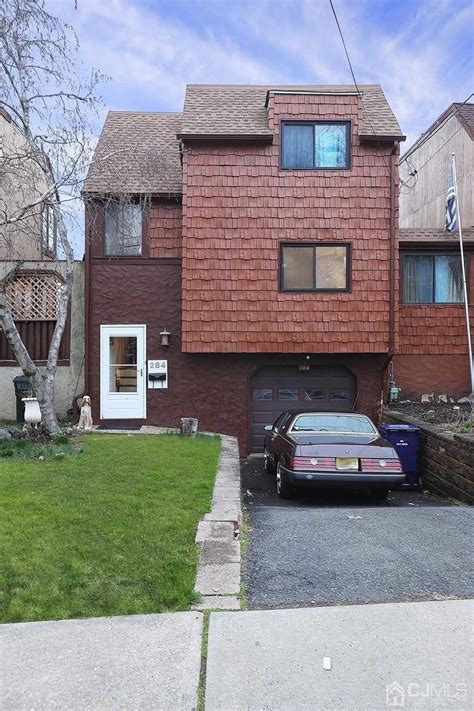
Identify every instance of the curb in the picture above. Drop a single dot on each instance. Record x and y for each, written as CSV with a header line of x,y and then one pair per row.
x,y
218,534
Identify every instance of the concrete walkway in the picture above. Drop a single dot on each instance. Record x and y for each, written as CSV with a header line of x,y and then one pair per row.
x,y
359,658
137,662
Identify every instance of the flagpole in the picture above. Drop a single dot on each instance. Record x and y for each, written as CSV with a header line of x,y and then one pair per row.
x,y
464,281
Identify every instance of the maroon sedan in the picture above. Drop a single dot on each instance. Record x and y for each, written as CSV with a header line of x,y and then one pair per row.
x,y
327,447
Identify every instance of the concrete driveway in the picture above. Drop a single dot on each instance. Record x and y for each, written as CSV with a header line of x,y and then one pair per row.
x,y
331,549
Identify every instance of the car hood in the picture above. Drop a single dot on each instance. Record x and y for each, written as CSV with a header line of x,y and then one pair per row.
x,y
342,445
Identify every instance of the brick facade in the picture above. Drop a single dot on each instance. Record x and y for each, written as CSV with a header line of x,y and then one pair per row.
x,y
238,206
213,387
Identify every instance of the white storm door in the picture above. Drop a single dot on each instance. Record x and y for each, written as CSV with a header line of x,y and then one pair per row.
x,y
122,372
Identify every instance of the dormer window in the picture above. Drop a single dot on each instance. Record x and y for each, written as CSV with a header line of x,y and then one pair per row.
x,y
315,145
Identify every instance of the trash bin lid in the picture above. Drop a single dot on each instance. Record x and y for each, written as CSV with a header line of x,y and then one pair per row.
x,y
399,428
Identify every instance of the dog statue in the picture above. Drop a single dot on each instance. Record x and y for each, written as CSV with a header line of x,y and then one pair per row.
x,y
85,420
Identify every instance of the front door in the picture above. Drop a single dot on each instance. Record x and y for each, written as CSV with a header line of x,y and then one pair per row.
x,y
122,372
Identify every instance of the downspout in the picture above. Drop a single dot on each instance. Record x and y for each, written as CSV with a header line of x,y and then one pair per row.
x,y
392,263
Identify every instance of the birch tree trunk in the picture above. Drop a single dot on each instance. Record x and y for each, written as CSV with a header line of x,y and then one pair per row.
x,y
30,369
48,102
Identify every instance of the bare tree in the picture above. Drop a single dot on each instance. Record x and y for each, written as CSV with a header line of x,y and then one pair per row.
x,y
51,100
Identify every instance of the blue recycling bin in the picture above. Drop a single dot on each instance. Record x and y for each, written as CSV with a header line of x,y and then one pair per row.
x,y
406,442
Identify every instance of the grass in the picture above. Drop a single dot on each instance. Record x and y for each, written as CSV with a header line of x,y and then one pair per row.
x,y
108,531
202,673
25,449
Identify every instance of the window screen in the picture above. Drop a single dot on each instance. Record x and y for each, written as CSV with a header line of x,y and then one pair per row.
x,y
314,267
315,145
432,279
123,229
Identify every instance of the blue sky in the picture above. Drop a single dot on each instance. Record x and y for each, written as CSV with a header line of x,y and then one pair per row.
x,y
421,51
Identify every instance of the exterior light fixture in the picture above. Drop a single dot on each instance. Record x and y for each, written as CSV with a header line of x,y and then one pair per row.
x,y
165,337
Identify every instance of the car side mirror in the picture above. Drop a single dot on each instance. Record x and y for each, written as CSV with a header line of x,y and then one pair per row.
x,y
268,428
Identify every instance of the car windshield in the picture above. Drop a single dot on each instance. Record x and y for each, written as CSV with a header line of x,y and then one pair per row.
x,y
335,424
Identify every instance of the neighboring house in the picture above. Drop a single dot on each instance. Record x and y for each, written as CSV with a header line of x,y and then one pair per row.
x,y
22,182
264,241
432,352
30,247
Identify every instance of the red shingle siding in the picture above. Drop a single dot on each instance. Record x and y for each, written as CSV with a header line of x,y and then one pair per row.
x,y
164,229
435,329
238,206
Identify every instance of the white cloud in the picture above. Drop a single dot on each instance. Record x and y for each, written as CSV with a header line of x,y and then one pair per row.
x,y
151,52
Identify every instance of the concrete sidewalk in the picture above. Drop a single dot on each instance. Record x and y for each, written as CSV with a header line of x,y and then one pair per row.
x,y
358,658
136,662
406,655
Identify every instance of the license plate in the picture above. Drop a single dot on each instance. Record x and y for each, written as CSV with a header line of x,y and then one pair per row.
x,y
347,463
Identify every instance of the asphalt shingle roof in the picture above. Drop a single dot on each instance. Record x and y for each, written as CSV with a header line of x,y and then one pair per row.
x,y
137,152
213,109
465,114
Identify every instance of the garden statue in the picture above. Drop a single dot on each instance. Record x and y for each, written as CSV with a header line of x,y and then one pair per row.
x,y
85,420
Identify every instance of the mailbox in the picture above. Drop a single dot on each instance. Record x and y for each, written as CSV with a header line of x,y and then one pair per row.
x,y
157,374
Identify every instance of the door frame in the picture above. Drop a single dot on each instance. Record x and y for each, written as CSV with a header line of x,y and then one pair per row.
x,y
141,326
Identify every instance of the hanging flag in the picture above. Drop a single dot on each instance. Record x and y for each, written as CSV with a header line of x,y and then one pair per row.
x,y
451,222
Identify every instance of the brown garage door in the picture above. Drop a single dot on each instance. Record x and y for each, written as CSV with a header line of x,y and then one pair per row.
x,y
290,387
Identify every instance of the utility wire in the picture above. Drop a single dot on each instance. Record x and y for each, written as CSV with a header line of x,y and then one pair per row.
x,y
438,128
417,171
356,85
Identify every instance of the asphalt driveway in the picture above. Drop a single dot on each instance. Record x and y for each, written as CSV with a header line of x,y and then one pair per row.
x,y
332,549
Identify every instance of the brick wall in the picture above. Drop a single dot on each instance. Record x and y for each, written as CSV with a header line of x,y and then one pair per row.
x,y
213,387
446,460
238,206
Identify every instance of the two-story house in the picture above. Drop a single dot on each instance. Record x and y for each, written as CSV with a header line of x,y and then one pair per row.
x,y
242,257
28,252
432,346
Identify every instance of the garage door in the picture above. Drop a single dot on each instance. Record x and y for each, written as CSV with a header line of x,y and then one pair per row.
x,y
291,387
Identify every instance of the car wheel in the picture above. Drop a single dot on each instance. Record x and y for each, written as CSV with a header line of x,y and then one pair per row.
x,y
269,466
380,494
283,488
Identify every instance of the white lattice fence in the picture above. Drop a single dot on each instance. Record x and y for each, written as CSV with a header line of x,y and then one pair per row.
x,y
34,297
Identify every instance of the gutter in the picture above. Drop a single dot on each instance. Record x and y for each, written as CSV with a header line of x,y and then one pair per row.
x,y
226,137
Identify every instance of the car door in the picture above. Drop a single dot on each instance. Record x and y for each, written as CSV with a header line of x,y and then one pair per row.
x,y
271,440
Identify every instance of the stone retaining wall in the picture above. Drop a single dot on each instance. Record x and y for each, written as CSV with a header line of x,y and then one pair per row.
x,y
446,459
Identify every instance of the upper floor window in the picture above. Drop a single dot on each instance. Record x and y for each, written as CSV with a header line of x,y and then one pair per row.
x,y
432,279
48,230
123,229
314,267
313,145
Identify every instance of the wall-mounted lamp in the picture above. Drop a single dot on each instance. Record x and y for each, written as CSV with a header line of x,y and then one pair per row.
x,y
165,337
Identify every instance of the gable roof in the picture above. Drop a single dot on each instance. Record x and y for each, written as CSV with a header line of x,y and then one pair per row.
x,y
465,115
137,152
215,110
463,112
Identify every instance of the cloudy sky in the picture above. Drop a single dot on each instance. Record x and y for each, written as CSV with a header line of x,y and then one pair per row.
x,y
421,51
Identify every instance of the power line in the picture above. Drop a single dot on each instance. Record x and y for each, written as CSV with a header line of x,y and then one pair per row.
x,y
438,128
357,86
416,171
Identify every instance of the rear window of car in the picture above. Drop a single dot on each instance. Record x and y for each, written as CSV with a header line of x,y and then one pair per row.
x,y
333,424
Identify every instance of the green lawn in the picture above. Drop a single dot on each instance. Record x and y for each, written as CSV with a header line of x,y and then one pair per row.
x,y
108,531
